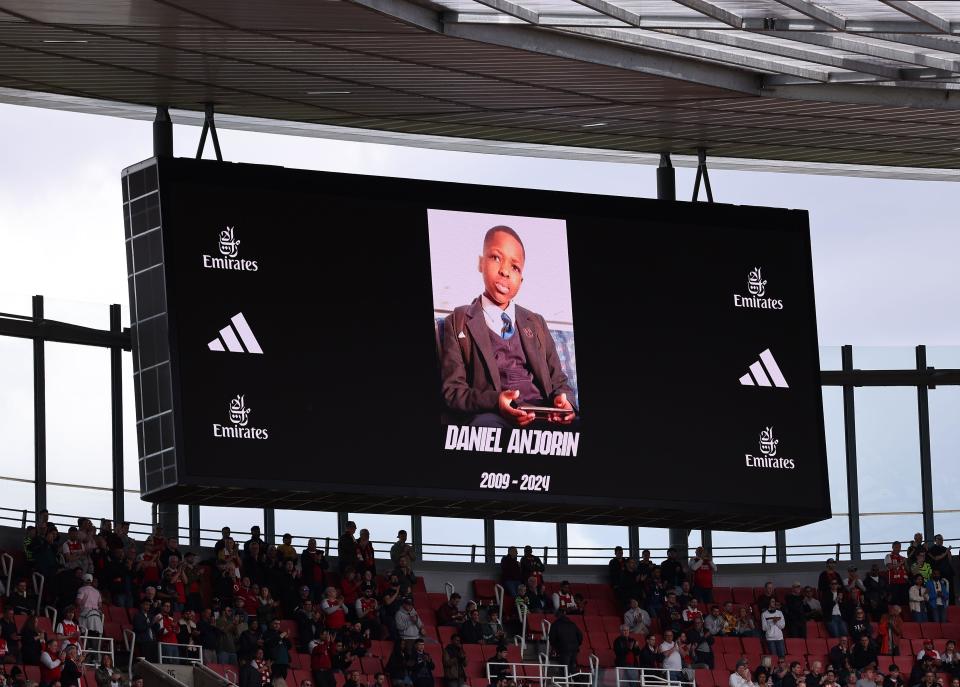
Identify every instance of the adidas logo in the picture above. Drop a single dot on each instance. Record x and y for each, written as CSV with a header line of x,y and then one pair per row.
x,y
231,336
765,372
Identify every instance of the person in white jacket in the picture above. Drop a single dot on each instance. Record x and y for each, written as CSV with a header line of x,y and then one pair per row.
x,y
773,625
741,676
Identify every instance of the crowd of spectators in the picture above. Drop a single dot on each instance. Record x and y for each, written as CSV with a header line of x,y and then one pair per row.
x,y
256,606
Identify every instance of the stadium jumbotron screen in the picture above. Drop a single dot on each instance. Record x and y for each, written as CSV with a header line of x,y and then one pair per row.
x,y
341,342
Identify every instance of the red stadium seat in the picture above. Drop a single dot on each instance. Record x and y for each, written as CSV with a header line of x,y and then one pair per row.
x,y
817,646
727,645
484,590
370,665
796,646
751,646
475,655
950,631
906,648
953,614
721,677
730,661
722,595
513,654
912,631
743,595
601,640
704,678
606,656
814,629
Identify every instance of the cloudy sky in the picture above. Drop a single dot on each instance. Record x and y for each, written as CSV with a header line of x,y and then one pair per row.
x,y
884,263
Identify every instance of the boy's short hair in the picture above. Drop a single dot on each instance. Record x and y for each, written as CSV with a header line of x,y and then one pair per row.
x,y
506,230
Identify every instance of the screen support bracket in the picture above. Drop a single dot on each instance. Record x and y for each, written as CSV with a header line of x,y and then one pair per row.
x,y
702,173
209,124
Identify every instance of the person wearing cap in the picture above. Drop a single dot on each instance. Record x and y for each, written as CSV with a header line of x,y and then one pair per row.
x,y
347,547
408,623
401,548
89,604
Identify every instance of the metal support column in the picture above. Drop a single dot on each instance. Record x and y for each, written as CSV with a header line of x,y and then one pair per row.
x,y
706,540
162,133
633,541
39,413
168,517
269,526
193,515
850,441
342,519
680,542
116,415
489,540
702,174
416,534
666,179
562,547
926,470
780,538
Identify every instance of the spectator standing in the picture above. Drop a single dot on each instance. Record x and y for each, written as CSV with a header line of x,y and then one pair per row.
x,y
637,619
833,609
921,566
616,567
401,548
511,576
703,569
898,574
941,558
864,654
626,653
938,590
670,656
877,593
409,625
347,547
420,666
455,663
919,599
531,566
794,613
773,625
671,570
563,599
828,575
566,638
890,631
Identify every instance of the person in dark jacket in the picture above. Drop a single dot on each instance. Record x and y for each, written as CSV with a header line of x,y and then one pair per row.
x,y
566,638
455,663
625,649
472,629
276,646
419,665
347,547
499,665
249,675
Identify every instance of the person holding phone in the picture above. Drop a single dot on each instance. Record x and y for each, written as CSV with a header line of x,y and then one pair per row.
x,y
498,360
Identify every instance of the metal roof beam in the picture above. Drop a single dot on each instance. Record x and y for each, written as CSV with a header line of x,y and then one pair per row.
x,y
566,43
935,43
815,11
911,9
513,9
885,47
611,10
703,50
714,11
868,94
747,41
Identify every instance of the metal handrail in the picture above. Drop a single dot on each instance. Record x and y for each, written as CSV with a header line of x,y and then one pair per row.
x,y
468,552
181,659
499,594
6,564
130,641
649,677
86,639
449,589
38,589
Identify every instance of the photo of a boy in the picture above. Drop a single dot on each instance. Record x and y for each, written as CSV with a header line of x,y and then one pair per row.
x,y
496,355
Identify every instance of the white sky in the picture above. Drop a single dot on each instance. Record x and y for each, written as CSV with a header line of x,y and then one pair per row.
x,y
884,263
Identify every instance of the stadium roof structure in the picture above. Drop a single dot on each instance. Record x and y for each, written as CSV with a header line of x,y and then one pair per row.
x,y
857,87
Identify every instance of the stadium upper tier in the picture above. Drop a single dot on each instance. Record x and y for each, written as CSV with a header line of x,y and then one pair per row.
x,y
864,83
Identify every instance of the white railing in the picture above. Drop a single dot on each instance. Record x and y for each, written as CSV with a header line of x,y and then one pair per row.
x,y
95,647
38,589
523,613
543,674
129,641
6,563
181,657
652,677
449,589
499,593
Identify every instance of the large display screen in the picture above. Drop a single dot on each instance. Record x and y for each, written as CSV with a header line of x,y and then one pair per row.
x,y
329,341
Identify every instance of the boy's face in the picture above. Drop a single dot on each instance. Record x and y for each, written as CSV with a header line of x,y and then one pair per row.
x,y
502,268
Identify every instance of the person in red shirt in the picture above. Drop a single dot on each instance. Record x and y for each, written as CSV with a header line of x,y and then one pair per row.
x,y
703,569
51,663
165,629
321,662
334,609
